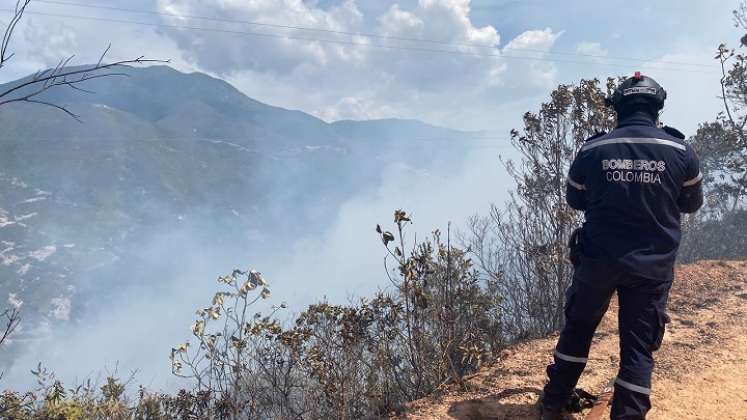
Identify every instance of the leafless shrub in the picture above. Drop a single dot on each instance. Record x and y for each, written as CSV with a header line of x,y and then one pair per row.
x,y
234,361
522,247
437,322
450,319
718,230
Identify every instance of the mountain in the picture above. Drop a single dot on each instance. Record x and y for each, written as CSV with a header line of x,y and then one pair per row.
x,y
164,154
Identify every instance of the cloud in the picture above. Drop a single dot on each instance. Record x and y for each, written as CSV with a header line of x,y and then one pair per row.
x,y
534,40
53,41
354,77
591,48
14,301
41,41
533,67
356,108
470,55
229,44
592,51
692,92
392,54
38,44
427,59
441,20
397,22
421,59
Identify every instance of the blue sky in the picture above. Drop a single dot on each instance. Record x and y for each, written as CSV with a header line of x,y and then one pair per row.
x,y
489,91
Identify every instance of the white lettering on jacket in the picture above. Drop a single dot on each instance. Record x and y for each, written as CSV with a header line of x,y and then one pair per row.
x,y
632,170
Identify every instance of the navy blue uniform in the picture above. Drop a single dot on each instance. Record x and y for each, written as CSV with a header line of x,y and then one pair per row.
x,y
632,184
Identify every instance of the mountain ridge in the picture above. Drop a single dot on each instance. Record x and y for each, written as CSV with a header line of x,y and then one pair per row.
x,y
166,85
163,151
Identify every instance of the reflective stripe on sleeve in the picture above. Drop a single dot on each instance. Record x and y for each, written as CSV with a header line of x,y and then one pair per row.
x,y
694,181
633,387
633,140
568,358
575,184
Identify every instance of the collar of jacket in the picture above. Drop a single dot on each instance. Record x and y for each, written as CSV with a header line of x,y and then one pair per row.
x,y
637,118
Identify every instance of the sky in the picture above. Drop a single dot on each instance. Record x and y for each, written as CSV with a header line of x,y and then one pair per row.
x,y
502,57
474,65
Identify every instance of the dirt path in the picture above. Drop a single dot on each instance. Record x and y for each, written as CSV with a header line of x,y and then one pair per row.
x,y
701,370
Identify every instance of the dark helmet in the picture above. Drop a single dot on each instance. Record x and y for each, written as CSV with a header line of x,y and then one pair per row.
x,y
637,90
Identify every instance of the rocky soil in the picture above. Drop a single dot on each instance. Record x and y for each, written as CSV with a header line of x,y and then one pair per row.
x,y
700,369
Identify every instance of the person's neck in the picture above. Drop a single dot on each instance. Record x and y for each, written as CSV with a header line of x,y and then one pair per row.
x,y
637,118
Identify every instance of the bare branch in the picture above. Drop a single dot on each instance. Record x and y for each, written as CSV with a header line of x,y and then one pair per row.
x,y
81,89
12,319
20,8
53,105
60,75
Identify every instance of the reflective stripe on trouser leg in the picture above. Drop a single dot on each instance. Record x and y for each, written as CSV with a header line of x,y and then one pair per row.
x,y
563,375
641,321
572,359
630,401
633,387
586,302
569,362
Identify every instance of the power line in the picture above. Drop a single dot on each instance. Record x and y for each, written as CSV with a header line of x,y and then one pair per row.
x,y
272,25
342,42
355,34
458,138
472,142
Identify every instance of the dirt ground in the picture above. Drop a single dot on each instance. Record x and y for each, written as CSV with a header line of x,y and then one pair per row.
x,y
701,368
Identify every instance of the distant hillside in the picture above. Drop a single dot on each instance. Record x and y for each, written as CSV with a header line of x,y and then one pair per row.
x,y
164,151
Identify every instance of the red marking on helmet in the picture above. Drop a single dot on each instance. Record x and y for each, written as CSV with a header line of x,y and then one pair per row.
x,y
637,75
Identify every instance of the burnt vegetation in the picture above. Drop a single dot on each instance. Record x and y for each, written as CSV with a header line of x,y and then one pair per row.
x,y
436,323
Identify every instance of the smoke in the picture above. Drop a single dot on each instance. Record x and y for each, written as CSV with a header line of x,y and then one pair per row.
x,y
133,328
348,259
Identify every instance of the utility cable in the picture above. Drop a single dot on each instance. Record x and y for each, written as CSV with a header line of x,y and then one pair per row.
x,y
354,34
343,42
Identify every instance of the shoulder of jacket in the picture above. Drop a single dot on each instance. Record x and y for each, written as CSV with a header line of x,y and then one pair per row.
x,y
673,132
597,135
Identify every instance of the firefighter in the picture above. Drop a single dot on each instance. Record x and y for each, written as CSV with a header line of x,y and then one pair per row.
x,y
632,185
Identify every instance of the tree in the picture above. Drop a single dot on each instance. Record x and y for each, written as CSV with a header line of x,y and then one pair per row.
x,y
723,143
62,75
716,231
523,247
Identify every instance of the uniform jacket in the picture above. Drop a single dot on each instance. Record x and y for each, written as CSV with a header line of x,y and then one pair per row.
x,y
632,184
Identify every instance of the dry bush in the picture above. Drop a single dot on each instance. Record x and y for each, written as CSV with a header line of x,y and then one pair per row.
x,y
522,246
237,363
436,323
718,230
109,401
